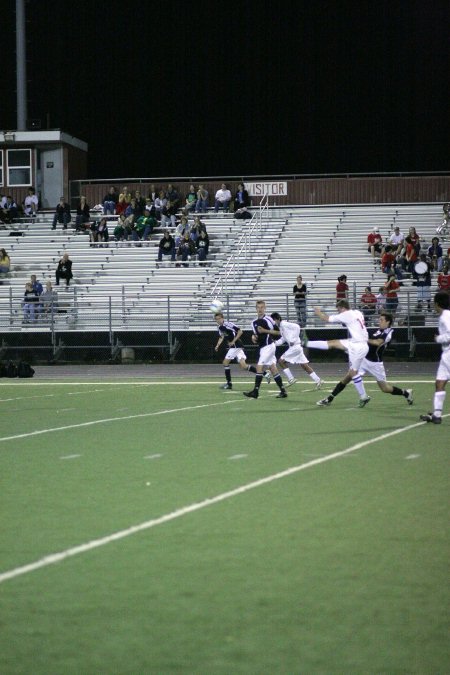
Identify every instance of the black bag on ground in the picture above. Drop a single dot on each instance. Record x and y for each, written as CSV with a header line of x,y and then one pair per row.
x,y
25,370
11,369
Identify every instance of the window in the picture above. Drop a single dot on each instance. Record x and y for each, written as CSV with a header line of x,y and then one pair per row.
x,y
19,167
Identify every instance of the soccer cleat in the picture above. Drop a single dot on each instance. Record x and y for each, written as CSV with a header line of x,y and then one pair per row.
x,y
410,398
226,386
268,376
431,418
319,384
282,394
324,402
364,401
251,394
289,383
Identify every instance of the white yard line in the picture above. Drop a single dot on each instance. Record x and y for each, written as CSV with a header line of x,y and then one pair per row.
x,y
118,383
191,508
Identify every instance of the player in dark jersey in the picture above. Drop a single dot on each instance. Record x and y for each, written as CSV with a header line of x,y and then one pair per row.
x,y
373,363
262,326
231,334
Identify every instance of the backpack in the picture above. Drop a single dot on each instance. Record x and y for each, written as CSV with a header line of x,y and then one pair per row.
x,y
25,370
11,370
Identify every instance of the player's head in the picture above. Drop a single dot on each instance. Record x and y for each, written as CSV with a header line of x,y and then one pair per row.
x,y
342,305
276,317
385,320
261,307
441,301
218,316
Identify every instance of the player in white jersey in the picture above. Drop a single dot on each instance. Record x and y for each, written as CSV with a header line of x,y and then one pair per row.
x,y
356,345
441,305
290,335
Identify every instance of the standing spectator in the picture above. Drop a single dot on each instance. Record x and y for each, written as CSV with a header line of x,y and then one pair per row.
x,y
410,258
202,200
300,292
435,254
443,280
83,214
368,304
390,290
241,199
222,199
62,214
374,242
191,199
109,202
166,246
31,203
5,262
64,270
341,288
422,275
30,300
381,300
202,245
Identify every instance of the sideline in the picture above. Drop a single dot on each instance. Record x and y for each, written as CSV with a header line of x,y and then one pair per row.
x,y
178,513
136,383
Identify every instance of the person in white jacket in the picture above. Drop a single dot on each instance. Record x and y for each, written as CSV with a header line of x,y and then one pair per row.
x,y
290,334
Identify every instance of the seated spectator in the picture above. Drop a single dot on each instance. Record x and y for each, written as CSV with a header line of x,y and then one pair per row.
x,y
415,239
396,240
126,195
31,203
173,197
153,192
443,280
390,291
166,246
368,304
99,232
109,202
222,199
241,199
196,228
168,214
387,260
374,242
150,206
186,249
48,301
202,200
202,246
435,254
83,214
423,282
182,228
341,288
139,203
62,214
381,300
160,202
64,270
143,226
121,204
122,231
191,200
36,285
5,262
8,210
132,210
30,300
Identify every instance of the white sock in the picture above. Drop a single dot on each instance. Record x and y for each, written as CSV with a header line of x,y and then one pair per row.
x,y
288,373
314,377
359,385
318,344
438,403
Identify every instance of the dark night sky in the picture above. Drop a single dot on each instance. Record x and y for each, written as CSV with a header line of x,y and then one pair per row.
x,y
239,89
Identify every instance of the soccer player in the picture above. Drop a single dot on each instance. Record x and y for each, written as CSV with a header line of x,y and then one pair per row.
x,y
232,334
290,334
356,345
441,305
373,364
262,326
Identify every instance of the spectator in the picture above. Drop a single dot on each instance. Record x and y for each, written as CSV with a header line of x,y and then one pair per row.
x,y
202,245
410,255
435,254
132,210
121,204
160,203
181,229
143,226
173,197
341,288
30,300
422,275
109,202
153,193
166,246
64,270
299,292
368,304
374,242
443,279
415,239
139,203
196,228
126,195
36,285
48,300
186,249
223,199
381,300
202,200
390,290
388,260
83,214
99,232
62,214
396,241
31,203
8,210
150,206
241,199
122,231
5,262
168,214
191,200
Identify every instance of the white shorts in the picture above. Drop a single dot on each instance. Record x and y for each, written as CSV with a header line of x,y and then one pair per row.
x,y
443,371
374,368
356,352
267,355
295,354
236,353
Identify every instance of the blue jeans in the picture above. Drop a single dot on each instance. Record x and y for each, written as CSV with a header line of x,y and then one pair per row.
x,y
201,206
109,207
218,205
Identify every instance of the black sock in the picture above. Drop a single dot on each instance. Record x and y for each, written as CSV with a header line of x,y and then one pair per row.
x,y
396,391
337,390
252,369
228,374
279,381
258,380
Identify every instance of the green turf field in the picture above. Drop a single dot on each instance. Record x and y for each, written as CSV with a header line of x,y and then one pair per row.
x,y
255,553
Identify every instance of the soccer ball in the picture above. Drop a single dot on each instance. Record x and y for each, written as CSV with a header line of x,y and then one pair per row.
x,y
216,306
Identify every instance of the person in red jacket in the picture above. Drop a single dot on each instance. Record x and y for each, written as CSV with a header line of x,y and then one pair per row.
x,y
443,280
387,260
341,288
390,291
374,242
